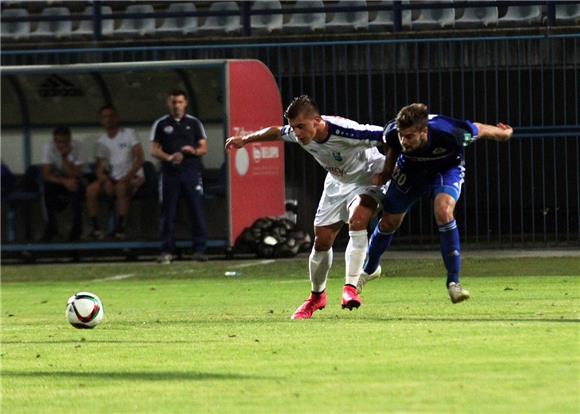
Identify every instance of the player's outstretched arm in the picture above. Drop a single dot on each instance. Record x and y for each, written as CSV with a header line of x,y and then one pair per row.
x,y
390,162
501,132
272,133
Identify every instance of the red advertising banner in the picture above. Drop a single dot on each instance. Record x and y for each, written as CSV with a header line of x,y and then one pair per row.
x,y
256,172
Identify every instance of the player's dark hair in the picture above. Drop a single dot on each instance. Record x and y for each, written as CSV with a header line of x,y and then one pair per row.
x,y
414,115
177,92
105,107
62,131
300,105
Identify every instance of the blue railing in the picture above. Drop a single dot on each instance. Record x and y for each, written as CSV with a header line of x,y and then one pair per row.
x,y
524,191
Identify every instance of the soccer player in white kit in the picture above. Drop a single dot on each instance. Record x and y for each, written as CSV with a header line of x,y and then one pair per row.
x,y
348,151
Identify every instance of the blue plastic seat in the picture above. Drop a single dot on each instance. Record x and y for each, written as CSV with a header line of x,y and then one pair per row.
x,y
222,24
306,22
568,13
354,20
522,16
57,29
478,17
85,27
15,30
141,27
267,23
179,25
384,19
435,18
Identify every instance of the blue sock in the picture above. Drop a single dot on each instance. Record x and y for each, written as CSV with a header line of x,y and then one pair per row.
x,y
450,250
378,243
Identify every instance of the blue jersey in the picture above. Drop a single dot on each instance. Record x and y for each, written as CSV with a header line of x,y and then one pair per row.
x,y
447,138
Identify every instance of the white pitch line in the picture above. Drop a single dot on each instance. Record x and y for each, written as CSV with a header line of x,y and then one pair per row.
x,y
292,281
116,277
243,265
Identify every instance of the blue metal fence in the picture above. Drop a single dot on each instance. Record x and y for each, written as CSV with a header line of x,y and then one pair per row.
x,y
524,191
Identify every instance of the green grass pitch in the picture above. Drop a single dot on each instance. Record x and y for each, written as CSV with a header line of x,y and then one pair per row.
x,y
185,338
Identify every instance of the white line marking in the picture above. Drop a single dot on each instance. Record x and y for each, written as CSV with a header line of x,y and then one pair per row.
x,y
180,272
292,281
243,265
116,277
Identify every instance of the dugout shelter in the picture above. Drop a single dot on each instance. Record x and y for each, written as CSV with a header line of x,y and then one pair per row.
x,y
229,96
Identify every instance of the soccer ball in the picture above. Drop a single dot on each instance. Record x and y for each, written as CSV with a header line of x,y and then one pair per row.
x,y
84,310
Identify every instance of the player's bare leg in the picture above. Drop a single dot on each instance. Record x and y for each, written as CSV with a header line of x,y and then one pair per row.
x,y
124,191
443,207
319,264
93,193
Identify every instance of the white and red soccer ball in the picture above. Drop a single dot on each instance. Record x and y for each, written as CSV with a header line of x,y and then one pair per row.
x,y
84,310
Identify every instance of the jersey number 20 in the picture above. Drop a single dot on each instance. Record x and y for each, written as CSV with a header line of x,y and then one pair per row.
x,y
399,177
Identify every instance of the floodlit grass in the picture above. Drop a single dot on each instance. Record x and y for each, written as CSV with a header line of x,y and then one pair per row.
x,y
185,338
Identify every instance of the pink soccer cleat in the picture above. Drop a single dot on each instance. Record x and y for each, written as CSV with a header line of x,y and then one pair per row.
x,y
316,301
350,298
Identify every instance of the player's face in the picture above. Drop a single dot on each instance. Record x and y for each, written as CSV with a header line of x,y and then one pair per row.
x,y
412,139
305,127
177,105
109,118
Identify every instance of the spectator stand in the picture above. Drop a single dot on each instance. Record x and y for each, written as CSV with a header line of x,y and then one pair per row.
x,y
107,20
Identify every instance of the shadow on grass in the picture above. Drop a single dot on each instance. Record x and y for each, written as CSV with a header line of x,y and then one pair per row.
x,y
470,320
134,375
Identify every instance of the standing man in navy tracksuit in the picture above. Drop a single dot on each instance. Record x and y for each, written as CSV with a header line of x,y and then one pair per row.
x,y
179,141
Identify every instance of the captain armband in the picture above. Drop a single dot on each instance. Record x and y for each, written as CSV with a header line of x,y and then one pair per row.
x,y
468,139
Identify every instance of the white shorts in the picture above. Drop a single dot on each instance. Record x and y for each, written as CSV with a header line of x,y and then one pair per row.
x,y
337,198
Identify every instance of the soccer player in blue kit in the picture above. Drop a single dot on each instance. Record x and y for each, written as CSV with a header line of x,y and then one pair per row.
x,y
425,156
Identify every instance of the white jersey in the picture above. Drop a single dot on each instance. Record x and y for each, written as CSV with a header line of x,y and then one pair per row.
x,y
118,152
51,156
349,154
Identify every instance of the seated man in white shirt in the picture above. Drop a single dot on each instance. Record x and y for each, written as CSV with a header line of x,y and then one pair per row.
x,y
62,170
120,150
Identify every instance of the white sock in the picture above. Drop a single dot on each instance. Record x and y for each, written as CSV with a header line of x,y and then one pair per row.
x,y
354,255
319,265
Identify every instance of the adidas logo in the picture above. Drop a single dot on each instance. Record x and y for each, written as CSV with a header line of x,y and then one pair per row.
x,y
55,85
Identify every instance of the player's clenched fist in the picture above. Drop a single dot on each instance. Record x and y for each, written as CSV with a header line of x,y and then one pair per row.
x,y
507,130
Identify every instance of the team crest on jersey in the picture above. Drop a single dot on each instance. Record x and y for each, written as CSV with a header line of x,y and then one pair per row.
x,y
168,129
439,150
337,156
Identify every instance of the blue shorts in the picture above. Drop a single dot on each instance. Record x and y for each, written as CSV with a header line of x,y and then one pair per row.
x,y
400,198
